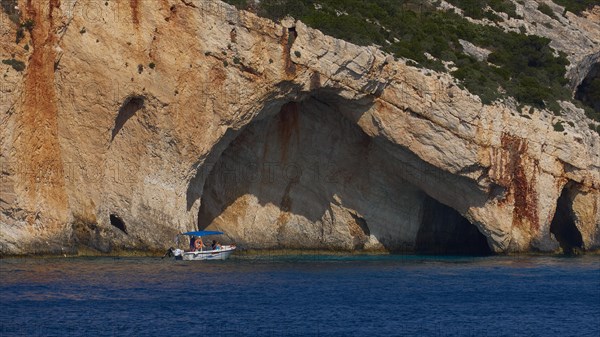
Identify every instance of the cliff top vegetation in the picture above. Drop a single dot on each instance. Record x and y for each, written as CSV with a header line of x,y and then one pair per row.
x,y
521,66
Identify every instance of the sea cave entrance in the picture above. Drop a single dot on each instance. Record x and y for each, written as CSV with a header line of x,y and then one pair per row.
x,y
310,177
563,225
445,231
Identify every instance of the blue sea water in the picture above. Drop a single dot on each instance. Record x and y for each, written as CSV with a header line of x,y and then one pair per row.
x,y
302,295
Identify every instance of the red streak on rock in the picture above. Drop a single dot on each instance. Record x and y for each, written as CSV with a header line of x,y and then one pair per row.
x,y
134,11
37,144
288,124
513,174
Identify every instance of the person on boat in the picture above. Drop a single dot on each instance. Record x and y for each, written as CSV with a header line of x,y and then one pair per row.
x,y
198,244
214,245
217,246
192,242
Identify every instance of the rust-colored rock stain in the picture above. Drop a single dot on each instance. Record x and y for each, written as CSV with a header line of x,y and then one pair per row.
x,y
135,11
36,146
511,167
287,39
287,125
315,81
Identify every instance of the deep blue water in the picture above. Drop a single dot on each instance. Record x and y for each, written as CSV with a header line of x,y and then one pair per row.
x,y
302,295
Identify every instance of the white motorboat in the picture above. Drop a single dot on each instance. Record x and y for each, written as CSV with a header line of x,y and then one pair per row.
x,y
200,253
213,254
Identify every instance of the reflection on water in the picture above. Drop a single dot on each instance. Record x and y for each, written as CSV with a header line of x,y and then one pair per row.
x,y
315,295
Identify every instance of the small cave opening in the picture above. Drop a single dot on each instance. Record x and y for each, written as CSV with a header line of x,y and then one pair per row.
x,y
588,92
129,107
117,222
563,225
292,35
445,231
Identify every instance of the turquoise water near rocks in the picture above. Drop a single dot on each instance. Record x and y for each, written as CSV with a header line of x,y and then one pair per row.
x,y
302,295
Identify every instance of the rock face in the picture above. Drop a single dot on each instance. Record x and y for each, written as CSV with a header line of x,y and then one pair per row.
x,y
134,121
577,36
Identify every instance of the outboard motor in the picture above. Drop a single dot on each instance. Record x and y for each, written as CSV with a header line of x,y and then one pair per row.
x,y
168,253
176,252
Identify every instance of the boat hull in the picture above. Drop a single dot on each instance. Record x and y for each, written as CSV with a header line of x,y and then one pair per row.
x,y
221,254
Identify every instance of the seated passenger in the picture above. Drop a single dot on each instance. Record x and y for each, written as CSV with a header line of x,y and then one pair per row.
x,y
192,242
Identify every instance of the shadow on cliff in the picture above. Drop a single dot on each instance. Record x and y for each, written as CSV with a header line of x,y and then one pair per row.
x,y
126,111
312,155
588,91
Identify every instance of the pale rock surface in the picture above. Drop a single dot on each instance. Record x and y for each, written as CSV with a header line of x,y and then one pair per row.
x,y
279,135
478,53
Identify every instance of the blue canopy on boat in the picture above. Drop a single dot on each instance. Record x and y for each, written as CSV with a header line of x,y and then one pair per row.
x,y
202,233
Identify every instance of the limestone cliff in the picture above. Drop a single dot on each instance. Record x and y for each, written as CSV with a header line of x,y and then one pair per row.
x,y
136,120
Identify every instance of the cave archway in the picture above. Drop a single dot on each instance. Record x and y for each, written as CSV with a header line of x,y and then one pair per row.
x,y
309,176
563,225
445,231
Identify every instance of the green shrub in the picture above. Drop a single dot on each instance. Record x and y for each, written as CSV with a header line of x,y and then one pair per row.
x,y
151,65
492,16
558,127
297,53
8,6
28,24
20,35
524,67
236,60
576,6
588,93
505,6
591,114
242,4
15,64
544,8
476,8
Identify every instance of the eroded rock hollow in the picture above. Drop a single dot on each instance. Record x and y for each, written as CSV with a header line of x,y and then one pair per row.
x,y
309,176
